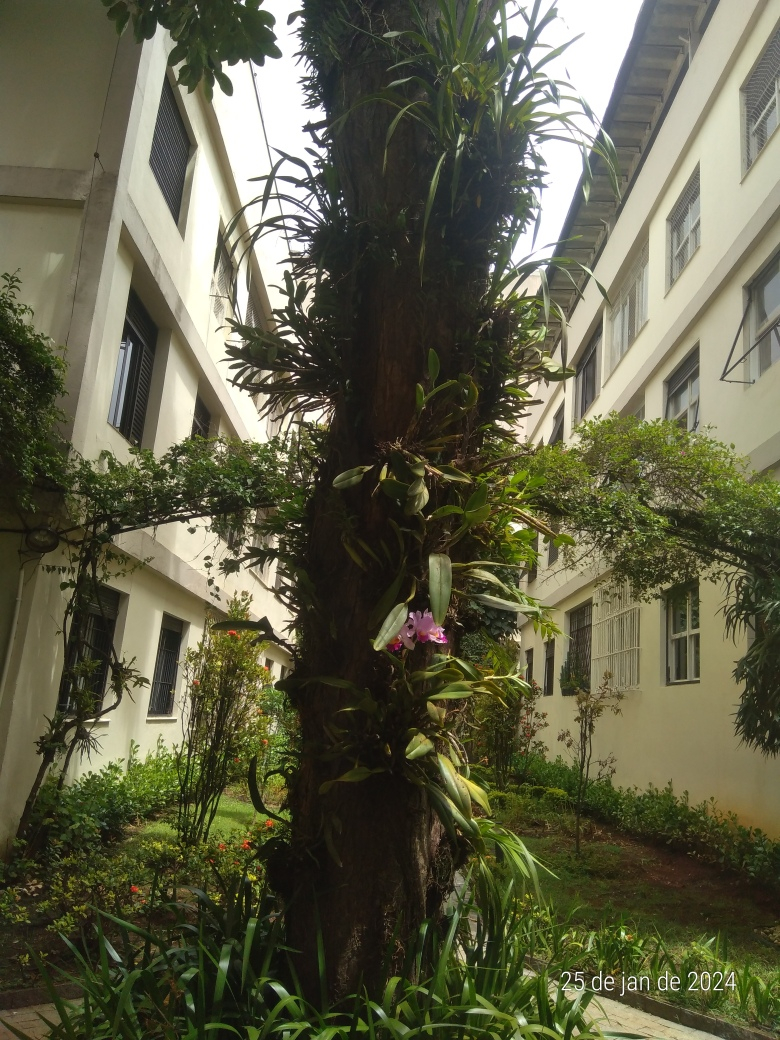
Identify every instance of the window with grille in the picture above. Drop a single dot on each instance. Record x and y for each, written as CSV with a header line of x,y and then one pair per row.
x,y
761,99
682,393
89,651
586,380
166,667
682,626
223,281
578,661
170,152
764,325
201,420
133,378
684,228
552,550
549,668
615,637
529,666
628,315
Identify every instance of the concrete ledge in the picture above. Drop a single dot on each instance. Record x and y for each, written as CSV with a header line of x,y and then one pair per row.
x,y
36,183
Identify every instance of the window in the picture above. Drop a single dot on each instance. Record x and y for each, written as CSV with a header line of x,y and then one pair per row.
x,y
201,420
557,431
586,381
629,313
615,637
90,643
761,98
133,378
682,393
764,327
533,570
549,667
682,621
223,281
170,153
552,550
529,666
684,228
579,658
166,666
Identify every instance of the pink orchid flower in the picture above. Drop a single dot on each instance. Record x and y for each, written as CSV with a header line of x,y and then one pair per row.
x,y
426,628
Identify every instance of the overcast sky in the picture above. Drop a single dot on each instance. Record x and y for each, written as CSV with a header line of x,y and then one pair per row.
x,y
590,64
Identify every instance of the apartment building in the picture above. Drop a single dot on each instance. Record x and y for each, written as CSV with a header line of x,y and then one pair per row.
x,y
116,189
690,259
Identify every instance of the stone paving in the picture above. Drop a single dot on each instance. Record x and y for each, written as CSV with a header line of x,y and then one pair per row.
x,y
27,1020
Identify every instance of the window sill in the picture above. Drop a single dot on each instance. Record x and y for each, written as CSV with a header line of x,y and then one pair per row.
x,y
162,718
683,682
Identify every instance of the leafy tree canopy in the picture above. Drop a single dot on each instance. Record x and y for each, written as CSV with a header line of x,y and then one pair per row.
x,y
658,506
207,33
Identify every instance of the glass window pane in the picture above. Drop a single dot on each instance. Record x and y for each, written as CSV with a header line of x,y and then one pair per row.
x,y
679,613
768,295
695,659
679,659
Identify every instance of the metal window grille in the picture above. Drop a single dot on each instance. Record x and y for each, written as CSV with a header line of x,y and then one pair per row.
x,y
682,393
580,642
223,281
762,100
166,667
201,420
254,313
586,381
765,319
552,551
629,313
529,666
91,640
549,667
170,152
615,637
684,228
682,624
133,378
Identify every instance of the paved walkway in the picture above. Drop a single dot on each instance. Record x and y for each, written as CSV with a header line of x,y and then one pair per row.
x,y
609,1014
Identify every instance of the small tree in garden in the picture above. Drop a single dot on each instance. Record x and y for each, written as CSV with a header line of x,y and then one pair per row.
x,y
530,724
591,705
223,706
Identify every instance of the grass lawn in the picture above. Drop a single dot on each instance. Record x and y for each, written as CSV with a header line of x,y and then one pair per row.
x,y
654,887
233,815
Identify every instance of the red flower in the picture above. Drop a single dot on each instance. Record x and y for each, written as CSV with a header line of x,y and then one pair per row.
x,y
233,633
134,889
269,824
222,846
196,682
265,743
236,759
246,844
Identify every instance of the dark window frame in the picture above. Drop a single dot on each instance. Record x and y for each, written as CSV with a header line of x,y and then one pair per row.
x,y
133,377
579,658
549,668
97,625
201,419
166,668
171,150
588,369
529,666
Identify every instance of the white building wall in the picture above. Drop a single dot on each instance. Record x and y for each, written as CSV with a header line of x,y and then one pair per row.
x,y
684,732
82,231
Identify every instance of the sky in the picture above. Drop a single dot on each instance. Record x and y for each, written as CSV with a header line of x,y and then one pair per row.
x,y
590,65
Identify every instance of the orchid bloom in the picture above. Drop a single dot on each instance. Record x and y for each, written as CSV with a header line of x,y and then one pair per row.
x,y
420,626
426,628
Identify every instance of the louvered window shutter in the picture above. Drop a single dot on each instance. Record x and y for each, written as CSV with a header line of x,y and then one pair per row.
x,y
141,397
134,371
166,667
170,150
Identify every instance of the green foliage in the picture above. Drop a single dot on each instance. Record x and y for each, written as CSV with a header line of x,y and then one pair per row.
x,y
32,383
661,506
208,33
222,719
660,815
221,967
77,818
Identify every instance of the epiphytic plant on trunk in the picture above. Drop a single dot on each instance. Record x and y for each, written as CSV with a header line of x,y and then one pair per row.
x,y
403,326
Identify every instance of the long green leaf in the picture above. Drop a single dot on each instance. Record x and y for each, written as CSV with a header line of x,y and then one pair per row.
x,y
439,585
391,626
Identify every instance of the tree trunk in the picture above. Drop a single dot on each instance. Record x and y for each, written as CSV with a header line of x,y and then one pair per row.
x,y
370,860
